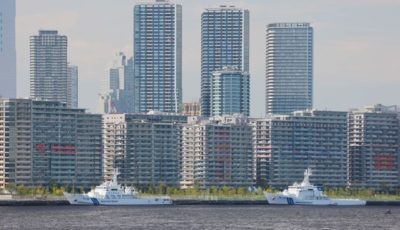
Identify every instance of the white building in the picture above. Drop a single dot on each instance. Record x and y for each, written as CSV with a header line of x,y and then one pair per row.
x,y
191,109
217,152
144,147
8,76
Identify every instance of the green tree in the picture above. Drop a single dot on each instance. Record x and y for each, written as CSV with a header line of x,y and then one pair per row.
x,y
242,191
11,187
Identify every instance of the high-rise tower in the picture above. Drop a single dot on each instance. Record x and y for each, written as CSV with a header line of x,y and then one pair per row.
x,y
49,66
158,56
289,77
230,92
224,42
8,74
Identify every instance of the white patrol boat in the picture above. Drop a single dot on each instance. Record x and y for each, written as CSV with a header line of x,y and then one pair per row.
x,y
307,194
111,193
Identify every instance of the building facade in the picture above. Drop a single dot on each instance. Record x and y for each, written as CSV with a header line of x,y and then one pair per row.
x,y
73,84
230,92
286,145
158,57
49,67
224,42
217,152
44,142
289,76
144,147
191,109
374,152
8,75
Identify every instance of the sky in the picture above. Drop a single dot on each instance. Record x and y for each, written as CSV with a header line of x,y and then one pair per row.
x,y
356,45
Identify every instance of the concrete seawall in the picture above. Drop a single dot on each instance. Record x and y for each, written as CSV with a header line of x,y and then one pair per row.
x,y
220,202
33,202
383,203
175,202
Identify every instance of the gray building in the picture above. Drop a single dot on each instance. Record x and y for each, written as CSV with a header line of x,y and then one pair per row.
x,y
289,66
144,147
286,145
374,152
73,83
114,78
49,67
230,92
8,75
217,152
43,142
224,42
158,56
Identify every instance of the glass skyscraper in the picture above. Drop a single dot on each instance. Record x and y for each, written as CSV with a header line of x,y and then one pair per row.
x,y
289,76
49,67
224,42
158,56
230,92
8,74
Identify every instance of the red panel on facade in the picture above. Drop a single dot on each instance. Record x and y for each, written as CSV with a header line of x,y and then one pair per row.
x,y
41,148
384,162
63,149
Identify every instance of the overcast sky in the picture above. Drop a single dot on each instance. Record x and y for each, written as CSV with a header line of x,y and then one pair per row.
x,y
356,45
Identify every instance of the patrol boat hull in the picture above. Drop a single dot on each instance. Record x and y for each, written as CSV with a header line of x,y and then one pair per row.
x,y
305,193
84,199
289,200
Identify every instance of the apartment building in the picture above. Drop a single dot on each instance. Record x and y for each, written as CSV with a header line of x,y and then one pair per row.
x,y
374,152
144,147
217,152
43,142
286,145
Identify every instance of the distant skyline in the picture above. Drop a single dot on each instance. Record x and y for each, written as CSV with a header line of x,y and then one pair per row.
x,y
356,45
7,49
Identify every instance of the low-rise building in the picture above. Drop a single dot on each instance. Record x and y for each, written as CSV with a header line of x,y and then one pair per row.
x,y
191,109
217,152
144,147
374,152
43,142
286,145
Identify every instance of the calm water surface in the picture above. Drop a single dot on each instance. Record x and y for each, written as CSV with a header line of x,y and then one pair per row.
x,y
199,217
